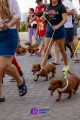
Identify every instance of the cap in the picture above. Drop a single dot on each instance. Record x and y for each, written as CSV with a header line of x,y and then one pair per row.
x,y
37,1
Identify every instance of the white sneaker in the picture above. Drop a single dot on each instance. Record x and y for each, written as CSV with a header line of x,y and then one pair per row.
x,y
64,69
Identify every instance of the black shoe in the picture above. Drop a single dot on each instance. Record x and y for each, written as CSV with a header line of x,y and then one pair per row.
x,y
2,80
71,55
2,99
49,56
21,73
22,89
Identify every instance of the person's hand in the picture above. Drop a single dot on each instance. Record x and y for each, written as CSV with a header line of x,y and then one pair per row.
x,y
55,27
4,26
28,24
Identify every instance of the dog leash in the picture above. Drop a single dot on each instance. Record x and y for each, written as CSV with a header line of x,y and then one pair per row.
x,y
50,40
68,66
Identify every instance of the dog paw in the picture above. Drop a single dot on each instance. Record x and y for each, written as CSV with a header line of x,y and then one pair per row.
x,y
68,97
46,80
35,80
57,100
51,77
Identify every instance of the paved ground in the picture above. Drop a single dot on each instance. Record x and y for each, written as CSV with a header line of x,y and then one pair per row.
x,y
38,96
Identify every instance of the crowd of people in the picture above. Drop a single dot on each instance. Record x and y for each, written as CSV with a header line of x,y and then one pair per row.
x,y
63,21
52,25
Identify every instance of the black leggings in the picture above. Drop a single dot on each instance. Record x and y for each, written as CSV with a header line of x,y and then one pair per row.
x,y
67,45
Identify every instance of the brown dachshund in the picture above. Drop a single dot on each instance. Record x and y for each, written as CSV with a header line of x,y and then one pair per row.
x,y
20,50
32,48
49,68
68,85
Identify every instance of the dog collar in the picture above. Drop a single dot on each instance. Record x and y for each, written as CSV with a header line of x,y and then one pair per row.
x,y
64,88
38,72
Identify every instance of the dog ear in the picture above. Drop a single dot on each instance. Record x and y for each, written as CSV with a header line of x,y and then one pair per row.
x,y
39,66
60,83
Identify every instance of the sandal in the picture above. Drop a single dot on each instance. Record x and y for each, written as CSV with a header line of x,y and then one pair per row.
x,y
22,89
2,99
55,63
76,61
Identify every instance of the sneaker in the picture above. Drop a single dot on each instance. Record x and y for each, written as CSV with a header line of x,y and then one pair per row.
x,y
49,56
64,69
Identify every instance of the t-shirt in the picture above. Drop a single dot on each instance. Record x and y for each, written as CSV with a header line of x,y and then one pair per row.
x,y
39,8
33,24
41,27
54,13
69,6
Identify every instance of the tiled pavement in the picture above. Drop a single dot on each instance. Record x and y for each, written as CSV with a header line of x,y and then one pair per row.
x,y
38,96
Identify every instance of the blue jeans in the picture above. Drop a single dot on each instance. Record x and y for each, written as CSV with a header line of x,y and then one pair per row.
x,y
31,32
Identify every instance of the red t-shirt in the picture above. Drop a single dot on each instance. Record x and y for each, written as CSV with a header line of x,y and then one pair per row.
x,y
41,27
39,8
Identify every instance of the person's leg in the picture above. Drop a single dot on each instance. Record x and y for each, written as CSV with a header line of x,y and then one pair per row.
x,y
74,48
60,44
14,62
68,46
69,39
36,36
30,35
11,70
75,41
56,53
41,46
0,82
48,42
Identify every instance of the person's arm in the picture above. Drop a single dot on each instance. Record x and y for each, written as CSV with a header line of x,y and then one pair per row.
x,y
70,8
70,12
33,19
64,16
10,24
15,14
76,18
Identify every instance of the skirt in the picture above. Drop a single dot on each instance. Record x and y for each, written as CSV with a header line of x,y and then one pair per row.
x,y
8,42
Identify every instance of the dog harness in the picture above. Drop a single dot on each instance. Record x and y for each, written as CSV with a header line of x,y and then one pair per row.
x,y
64,88
39,72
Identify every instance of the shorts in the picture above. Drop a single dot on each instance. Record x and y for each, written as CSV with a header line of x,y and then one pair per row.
x,y
8,42
69,35
74,29
58,34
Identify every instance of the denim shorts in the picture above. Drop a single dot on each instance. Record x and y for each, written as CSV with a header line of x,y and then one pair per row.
x,y
8,42
69,35
58,34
